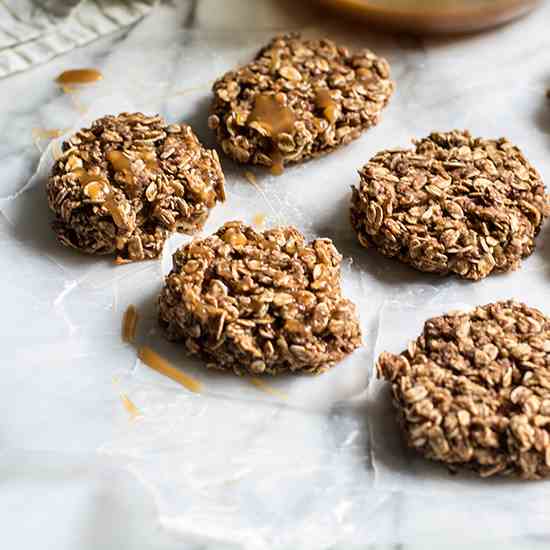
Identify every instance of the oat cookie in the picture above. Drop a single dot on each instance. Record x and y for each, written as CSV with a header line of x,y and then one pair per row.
x,y
453,204
124,184
259,302
298,99
473,390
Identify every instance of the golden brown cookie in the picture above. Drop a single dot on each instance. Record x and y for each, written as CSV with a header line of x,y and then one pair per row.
x,y
124,184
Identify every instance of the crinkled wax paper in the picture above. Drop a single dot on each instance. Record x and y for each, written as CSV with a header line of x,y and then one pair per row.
x,y
288,465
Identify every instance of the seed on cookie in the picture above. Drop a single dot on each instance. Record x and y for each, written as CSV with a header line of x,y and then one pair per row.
x,y
124,184
453,204
473,390
298,99
259,302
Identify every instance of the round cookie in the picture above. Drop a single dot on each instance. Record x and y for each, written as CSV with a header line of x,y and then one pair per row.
x,y
259,302
453,204
298,99
124,184
473,390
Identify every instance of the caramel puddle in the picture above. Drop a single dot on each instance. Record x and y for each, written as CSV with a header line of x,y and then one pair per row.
x,y
123,163
156,362
78,76
272,115
324,101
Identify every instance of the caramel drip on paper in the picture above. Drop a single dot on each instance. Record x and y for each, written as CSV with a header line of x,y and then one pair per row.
x,y
130,406
129,324
324,101
156,362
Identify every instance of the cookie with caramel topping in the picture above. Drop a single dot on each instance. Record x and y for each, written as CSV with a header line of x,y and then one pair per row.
x,y
123,185
298,99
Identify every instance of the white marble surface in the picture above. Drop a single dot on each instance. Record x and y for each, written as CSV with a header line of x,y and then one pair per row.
x,y
234,467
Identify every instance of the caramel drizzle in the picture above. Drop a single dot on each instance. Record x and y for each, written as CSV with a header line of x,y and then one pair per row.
x,y
150,159
129,324
130,406
153,360
274,117
78,77
123,163
277,163
120,162
97,188
85,177
271,113
324,101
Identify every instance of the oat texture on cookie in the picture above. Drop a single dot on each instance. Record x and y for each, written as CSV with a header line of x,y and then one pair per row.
x,y
123,185
259,302
453,204
298,99
473,390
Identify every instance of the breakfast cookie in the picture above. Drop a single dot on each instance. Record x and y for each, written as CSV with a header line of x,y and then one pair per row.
x,y
453,204
298,99
473,390
259,302
124,184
